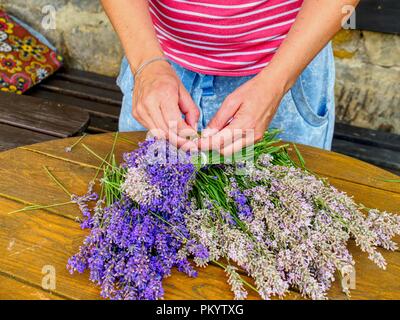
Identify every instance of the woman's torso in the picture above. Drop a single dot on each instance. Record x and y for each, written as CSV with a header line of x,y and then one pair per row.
x,y
231,38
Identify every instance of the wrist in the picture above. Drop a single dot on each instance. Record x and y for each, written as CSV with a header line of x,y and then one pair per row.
x,y
148,63
135,60
158,69
281,78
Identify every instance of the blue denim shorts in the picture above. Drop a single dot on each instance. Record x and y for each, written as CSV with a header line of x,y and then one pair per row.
x,y
306,114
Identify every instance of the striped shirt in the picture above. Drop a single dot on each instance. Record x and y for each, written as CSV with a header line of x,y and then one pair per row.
x,y
230,37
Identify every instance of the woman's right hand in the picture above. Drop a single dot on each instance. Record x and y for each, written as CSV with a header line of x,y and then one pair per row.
x,y
159,102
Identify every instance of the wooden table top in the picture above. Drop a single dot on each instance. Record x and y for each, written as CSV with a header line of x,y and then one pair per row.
x,y
34,242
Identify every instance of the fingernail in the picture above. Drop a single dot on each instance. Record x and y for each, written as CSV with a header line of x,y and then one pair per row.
x,y
189,146
208,132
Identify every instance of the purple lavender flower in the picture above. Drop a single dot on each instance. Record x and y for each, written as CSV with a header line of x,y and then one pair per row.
x,y
137,241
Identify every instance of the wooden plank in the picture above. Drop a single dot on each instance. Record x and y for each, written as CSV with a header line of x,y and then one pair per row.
x,y
103,117
93,107
365,136
378,15
335,165
378,156
25,180
56,119
30,241
100,143
12,289
369,196
99,124
82,91
88,78
12,137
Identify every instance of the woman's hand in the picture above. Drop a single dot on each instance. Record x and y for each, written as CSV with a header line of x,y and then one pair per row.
x,y
160,100
244,115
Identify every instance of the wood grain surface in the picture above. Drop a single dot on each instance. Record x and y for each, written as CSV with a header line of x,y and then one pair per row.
x,y
11,137
30,241
43,116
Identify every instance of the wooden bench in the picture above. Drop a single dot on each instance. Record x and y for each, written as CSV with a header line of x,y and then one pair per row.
x,y
101,98
96,94
27,120
378,15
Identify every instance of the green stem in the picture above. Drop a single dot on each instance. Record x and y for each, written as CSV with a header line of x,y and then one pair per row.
x,y
392,180
39,207
113,146
127,140
69,149
95,154
100,168
57,181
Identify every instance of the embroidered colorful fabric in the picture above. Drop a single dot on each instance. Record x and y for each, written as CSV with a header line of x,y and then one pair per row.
x,y
24,59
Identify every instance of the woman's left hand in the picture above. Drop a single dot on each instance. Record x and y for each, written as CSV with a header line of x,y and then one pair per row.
x,y
244,116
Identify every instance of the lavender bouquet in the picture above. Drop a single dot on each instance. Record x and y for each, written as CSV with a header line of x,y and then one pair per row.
x,y
260,214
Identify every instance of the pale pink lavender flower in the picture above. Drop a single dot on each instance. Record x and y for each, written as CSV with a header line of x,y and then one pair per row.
x,y
236,283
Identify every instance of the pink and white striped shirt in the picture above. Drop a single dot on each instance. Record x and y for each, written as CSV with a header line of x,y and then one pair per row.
x,y
230,37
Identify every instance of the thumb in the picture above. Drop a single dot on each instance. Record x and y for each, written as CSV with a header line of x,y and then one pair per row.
x,y
222,117
188,108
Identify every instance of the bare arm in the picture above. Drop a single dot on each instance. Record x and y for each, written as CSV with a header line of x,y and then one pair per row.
x,y
253,105
316,24
132,22
159,97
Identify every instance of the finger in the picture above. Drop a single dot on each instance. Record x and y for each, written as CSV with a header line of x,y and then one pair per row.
x,y
221,139
233,131
178,130
140,113
188,108
173,117
148,113
155,114
182,143
238,145
152,102
223,116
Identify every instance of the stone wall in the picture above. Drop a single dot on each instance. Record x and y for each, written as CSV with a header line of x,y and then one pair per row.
x,y
368,63
83,33
368,79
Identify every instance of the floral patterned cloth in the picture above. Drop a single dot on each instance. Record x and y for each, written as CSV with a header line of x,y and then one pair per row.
x,y
24,59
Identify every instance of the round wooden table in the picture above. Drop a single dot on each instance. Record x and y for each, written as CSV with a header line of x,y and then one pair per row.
x,y
35,245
